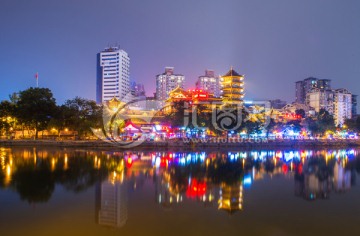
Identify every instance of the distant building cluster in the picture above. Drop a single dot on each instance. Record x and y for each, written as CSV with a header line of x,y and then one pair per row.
x,y
113,81
318,94
311,94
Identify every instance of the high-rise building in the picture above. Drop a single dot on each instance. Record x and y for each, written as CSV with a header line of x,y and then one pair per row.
x,y
137,90
232,85
113,70
166,82
304,86
342,106
209,83
320,99
354,105
323,84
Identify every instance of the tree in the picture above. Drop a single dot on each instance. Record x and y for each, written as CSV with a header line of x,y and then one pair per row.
x,y
81,114
312,125
203,116
271,127
7,111
301,113
253,127
325,121
35,108
14,98
294,125
178,114
353,124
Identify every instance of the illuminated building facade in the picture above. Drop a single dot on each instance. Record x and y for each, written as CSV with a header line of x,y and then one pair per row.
x,y
166,82
304,86
191,97
209,83
342,106
354,105
232,85
113,71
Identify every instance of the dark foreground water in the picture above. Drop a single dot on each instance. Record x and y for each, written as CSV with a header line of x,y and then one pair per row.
x,y
85,192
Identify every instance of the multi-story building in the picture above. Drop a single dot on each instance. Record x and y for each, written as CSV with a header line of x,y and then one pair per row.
x,y
320,99
137,90
209,83
166,82
277,103
113,69
304,86
323,84
354,105
342,106
232,85
338,103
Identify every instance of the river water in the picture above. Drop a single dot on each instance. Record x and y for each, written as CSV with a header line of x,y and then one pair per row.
x,y
49,191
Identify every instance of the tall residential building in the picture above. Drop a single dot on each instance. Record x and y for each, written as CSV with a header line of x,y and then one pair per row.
x,y
166,82
320,99
113,69
354,105
323,84
304,86
209,83
232,85
342,106
137,90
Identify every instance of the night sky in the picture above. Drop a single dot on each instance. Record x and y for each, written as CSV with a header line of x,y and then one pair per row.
x,y
274,43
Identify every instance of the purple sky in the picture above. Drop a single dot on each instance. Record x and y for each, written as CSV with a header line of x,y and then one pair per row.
x,y
274,43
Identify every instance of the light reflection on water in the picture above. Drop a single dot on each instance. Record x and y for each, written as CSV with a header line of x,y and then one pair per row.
x,y
217,180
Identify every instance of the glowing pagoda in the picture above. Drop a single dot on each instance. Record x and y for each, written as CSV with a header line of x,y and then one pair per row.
x,y
232,84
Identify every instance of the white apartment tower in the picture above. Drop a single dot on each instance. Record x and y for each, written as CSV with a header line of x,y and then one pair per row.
x,y
342,106
113,71
166,82
209,83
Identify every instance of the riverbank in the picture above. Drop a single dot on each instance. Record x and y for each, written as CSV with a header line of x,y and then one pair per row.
x,y
187,145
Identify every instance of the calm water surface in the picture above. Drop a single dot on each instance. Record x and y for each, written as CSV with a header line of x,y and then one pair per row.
x,y
45,191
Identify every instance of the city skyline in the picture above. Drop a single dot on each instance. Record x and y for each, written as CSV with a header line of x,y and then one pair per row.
x,y
279,42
